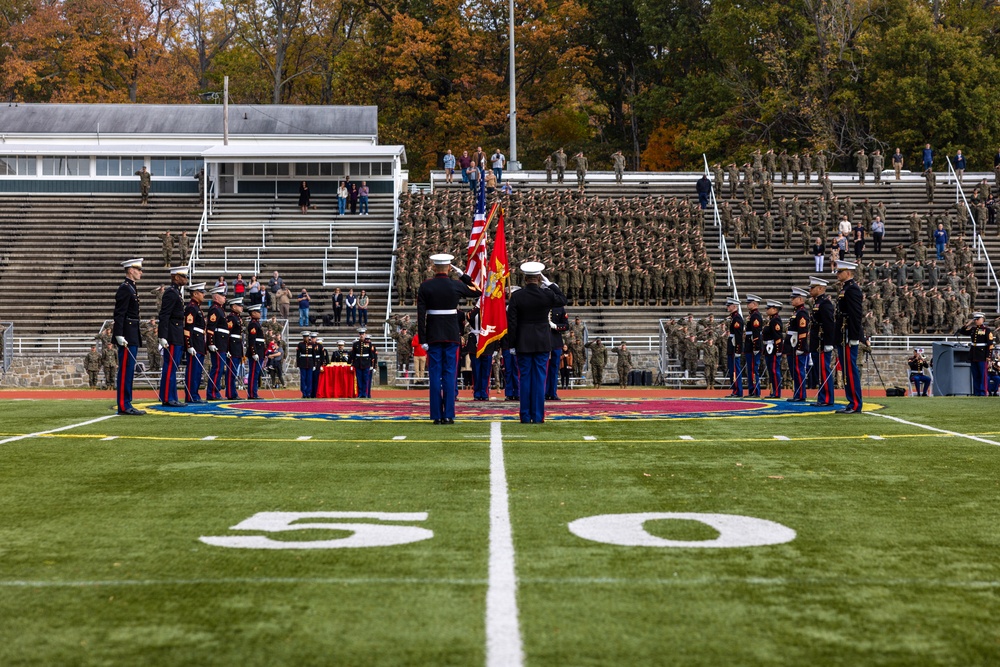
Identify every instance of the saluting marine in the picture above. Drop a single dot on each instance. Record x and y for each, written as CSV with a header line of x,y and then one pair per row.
x,y
982,342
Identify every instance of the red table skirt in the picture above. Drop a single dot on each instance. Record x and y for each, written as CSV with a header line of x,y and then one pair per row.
x,y
337,381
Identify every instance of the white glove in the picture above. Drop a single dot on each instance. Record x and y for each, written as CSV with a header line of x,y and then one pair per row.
x,y
425,346
513,352
828,348
457,270
801,352
191,352
769,346
213,348
163,343
552,325
854,343
256,358
121,341
545,281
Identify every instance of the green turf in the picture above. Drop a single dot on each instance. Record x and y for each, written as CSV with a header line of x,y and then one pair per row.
x,y
894,561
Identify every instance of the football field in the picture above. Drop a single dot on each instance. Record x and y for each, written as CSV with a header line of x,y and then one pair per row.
x,y
778,539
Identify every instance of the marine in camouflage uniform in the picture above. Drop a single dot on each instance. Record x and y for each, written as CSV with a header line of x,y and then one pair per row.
x,y
92,364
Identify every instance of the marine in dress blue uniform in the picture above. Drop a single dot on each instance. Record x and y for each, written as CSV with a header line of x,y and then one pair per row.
x,y
982,341
734,348
918,364
530,332
234,360
773,337
363,357
217,343
304,362
256,351
822,338
850,332
797,345
319,360
752,345
439,334
126,334
171,330
194,344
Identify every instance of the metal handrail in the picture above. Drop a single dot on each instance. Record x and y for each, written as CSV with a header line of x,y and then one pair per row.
x,y
977,240
285,260
6,345
723,246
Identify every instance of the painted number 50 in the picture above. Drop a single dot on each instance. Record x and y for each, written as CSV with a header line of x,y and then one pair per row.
x,y
362,534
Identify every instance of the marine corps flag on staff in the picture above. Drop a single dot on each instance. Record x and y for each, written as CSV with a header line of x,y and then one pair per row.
x,y
493,302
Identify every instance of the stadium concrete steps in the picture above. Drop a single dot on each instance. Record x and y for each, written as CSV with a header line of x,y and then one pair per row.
x,y
60,261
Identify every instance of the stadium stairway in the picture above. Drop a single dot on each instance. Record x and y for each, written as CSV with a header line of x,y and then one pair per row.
x,y
61,254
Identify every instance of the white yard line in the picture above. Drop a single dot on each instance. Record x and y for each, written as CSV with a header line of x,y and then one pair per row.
x,y
55,430
503,632
934,428
83,583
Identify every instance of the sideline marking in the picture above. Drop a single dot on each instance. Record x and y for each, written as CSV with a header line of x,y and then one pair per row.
x,y
55,430
27,583
934,428
503,633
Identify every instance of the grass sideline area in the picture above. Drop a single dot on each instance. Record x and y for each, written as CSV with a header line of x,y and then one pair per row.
x,y
893,560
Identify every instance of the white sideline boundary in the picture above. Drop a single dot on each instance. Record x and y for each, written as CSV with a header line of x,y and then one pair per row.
x,y
55,430
503,633
934,428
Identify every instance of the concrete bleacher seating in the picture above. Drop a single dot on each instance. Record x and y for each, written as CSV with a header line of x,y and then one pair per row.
x,y
60,257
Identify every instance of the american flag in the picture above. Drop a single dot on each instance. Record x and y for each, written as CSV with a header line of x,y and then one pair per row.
x,y
476,258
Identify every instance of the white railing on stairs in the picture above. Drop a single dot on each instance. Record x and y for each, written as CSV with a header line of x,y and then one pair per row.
x,y
723,247
977,240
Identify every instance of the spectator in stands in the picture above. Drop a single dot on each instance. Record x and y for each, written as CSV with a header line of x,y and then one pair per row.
x,y
363,192
498,162
449,166
303,308
239,286
304,197
703,187
897,162
940,240
352,197
858,235
274,363
338,306
959,165
491,182
341,198
506,188
419,358
265,301
221,282
351,302
253,291
473,177
844,226
565,366
275,283
878,232
464,163
363,309
928,155
283,299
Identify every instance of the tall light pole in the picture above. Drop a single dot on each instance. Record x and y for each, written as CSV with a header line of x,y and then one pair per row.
x,y
512,164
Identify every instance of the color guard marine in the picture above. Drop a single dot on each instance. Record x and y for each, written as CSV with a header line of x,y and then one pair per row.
x,y
752,345
194,344
363,357
734,348
126,334
217,343
797,347
304,362
234,360
171,332
822,339
773,338
256,351
849,333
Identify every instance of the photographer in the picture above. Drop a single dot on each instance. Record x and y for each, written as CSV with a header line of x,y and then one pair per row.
x,y
918,363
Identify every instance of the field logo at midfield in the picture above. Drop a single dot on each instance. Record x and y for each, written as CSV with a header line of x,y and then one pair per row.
x,y
568,409
628,530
